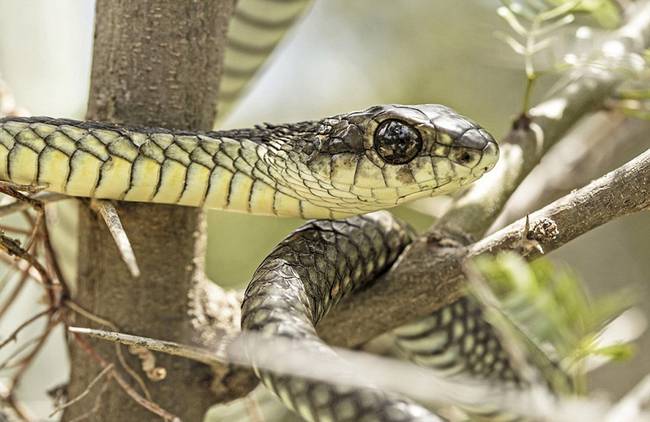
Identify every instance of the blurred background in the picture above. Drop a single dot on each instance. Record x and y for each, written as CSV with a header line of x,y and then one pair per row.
x,y
341,57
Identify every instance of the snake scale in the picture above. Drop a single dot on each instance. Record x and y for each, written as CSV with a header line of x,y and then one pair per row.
x,y
338,169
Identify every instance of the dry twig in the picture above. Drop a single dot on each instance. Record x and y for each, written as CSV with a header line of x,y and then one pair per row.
x,y
108,368
147,404
14,333
169,347
112,219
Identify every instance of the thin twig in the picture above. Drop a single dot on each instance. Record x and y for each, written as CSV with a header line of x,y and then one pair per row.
x,y
149,405
36,226
20,285
53,263
623,191
9,364
43,197
171,348
108,368
24,364
112,219
14,334
22,266
594,147
74,306
13,248
20,410
96,405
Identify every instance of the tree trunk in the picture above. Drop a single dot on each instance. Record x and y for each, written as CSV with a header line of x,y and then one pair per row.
x,y
155,63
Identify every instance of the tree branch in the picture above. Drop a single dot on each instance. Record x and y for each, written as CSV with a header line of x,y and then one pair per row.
x,y
597,145
155,63
198,354
428,275
623,191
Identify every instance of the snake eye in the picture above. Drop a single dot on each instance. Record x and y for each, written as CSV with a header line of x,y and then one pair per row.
x,y
396,142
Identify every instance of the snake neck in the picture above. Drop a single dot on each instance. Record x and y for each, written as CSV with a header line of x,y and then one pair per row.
x,y
309,168
302,137
247,170
271,166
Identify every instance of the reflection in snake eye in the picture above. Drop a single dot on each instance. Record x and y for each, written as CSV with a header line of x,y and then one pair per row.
x,y
396,142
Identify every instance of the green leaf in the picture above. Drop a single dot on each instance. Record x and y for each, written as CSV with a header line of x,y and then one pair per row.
x,y
605,12
615,352
634,94
548,310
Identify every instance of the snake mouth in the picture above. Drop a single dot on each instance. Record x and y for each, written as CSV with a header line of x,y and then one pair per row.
x,y
440,187
489,159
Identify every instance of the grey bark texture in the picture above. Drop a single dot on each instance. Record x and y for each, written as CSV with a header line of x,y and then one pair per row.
x,y
155,63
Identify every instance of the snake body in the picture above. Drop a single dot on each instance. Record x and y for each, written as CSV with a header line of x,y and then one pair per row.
x,y
297,284
324,261
254,31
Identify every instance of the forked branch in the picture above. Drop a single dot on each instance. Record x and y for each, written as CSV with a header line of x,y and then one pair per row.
x,y
428,275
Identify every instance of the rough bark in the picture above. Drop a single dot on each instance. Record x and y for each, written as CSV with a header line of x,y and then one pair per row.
x,y
155,63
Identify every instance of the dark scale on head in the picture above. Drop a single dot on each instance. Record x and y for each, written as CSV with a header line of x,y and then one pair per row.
x,y
344,137
397,142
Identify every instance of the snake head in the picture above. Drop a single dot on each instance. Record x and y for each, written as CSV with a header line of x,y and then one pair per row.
x,y
407,138
386,155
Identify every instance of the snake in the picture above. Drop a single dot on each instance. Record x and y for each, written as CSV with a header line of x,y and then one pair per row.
x,y
348,164
256,28
340,170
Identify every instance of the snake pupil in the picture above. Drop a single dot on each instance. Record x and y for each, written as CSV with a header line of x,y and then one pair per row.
x,y
397,142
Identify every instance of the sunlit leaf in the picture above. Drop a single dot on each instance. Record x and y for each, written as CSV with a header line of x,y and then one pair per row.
x,y
605,12
634,94
616,352
512,20
550,307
